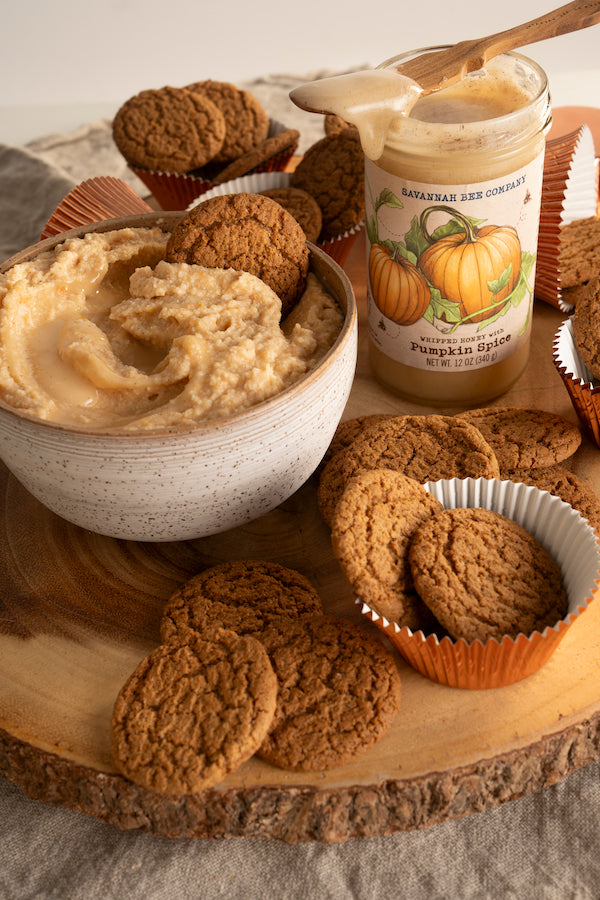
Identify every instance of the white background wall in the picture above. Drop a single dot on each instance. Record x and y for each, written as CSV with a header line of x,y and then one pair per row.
x,y
94,54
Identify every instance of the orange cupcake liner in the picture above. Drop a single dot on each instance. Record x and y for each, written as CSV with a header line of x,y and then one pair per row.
x,y
569,191
578,381
338,248
91,201
473,666
482,665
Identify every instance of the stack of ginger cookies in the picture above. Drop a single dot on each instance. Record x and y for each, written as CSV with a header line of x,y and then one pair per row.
x,y
211,129
217,132
465,573
250,664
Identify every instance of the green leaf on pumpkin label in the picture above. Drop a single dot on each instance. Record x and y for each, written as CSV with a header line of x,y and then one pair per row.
x,y
522,286
415,240
388,198
454,226
498,284
441,307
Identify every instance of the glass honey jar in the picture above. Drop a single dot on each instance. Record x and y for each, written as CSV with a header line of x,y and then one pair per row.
x,y
452,219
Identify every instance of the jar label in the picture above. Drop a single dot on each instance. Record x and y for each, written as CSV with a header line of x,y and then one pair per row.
x,y
451,268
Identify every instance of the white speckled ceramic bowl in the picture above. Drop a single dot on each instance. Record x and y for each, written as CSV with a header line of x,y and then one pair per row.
x,y
188,483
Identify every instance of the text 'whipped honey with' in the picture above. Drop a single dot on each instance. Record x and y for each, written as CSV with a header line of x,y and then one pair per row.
x,y
452,217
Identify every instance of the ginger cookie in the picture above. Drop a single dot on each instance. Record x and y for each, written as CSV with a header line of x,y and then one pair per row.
x,y
301,206
561,483
426,448
586,327
192,712
169,130
485,576
333,124
371,531
574,295
579,252
244,595
525,438
338,692
246,122
348,430
286,140
332,171
248,233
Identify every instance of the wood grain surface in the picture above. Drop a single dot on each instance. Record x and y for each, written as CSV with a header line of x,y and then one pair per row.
x,y
78,611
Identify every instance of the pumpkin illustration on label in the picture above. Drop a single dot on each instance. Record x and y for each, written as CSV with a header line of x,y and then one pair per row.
x,y
476,267
399,289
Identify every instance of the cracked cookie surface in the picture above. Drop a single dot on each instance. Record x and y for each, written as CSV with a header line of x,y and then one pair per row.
x,y
426,448
243,595
586,327
246,121
525,438
561,483
485,576
266,150
347,431
332,171
169,129
249,233
338,692
579,253
372,527
301,206
193,711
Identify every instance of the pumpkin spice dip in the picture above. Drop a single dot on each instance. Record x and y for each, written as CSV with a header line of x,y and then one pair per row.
x,y
103,333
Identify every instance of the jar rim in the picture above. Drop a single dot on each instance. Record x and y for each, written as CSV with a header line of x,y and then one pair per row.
x,y
513,128
531,63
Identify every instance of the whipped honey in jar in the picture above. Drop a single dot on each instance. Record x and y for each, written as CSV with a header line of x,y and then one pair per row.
x,y
452,194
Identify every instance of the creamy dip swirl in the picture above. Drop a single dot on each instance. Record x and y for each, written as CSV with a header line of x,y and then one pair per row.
x,y
103,333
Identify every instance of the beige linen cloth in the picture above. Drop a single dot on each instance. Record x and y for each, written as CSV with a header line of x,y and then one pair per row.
x,y
544,846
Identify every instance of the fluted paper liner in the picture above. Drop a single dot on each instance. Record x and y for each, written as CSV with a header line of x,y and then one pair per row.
x,y
562,531
578,380
569,192
176,191
337,248
94,200
246,184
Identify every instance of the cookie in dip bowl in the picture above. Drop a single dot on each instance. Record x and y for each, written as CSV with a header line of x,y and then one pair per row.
x,y
155,400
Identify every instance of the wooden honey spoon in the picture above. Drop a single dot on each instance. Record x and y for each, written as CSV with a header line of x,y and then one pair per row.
x,y
441,68
381,88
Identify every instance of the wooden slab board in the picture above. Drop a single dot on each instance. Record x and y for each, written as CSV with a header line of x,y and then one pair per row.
x,y
78,611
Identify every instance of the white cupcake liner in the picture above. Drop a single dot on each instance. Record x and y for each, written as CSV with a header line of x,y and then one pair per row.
x,y
580,196
562,531
246,184
337,248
